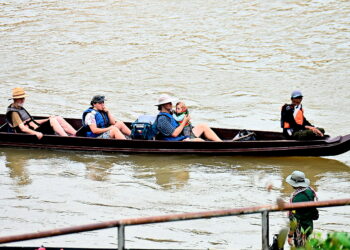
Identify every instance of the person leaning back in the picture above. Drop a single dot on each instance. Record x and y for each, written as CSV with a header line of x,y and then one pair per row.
x,y
100,123
294,123
21,121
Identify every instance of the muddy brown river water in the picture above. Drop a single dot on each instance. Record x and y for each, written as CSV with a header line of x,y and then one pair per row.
x,y
234,63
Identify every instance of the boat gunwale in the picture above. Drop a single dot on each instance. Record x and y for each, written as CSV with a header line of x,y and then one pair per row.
x,y
284,147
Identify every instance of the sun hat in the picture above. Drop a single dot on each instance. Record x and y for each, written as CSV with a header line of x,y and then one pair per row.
x,y
297,179
163,99
18,93
97,99
296,94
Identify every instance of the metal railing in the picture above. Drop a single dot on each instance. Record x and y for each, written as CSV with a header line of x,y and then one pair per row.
x,y
121,224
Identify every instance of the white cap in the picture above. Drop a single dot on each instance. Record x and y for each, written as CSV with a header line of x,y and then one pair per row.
x,y
296,93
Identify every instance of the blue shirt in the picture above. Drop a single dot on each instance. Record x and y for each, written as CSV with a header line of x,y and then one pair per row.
x,y
164,126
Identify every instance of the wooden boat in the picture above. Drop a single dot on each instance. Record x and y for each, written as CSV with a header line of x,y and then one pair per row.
x,y
52,248
267,144
56,248
78,248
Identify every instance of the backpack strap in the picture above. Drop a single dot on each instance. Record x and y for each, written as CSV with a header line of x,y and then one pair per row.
x,y
304,193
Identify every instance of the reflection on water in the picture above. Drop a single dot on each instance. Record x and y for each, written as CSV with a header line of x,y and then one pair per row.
x,y
73,188
17,166
233,64
172,171
167,175
97,168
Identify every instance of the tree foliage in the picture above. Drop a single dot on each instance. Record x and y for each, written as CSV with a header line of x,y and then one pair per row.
x,y
334,241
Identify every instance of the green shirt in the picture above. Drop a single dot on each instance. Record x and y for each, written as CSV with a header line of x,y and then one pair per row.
x,y
304,215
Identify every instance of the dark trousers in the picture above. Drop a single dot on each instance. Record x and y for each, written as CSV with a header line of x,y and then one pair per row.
x,y
306,134
45,128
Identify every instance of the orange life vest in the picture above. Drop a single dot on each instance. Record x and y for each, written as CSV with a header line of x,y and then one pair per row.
x,y
299,118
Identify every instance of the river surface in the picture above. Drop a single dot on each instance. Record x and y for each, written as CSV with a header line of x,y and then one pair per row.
x,y
234,63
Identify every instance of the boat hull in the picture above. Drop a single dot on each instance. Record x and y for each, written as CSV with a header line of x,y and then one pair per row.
x,y
268,144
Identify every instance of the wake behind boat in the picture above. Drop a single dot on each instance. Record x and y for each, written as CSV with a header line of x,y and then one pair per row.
x,y
267,143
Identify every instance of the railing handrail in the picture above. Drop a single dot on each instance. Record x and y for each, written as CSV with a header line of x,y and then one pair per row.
x,y
281,206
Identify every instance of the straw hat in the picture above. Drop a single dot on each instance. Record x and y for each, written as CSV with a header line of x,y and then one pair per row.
x,y
297,179
18,93
163,99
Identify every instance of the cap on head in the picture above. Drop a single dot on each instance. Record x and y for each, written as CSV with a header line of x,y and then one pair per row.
x,y
296,94
97,99
297,179
163,99
18,93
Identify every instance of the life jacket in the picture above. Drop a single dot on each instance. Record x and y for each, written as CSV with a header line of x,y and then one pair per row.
x,y
175,124
101,118
23,114
298,115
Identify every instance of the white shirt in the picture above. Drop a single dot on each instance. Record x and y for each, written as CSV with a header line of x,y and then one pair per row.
x,y
90,118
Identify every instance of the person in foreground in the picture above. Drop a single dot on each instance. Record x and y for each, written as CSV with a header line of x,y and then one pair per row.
x,y
100,123
171,130
293,122
21,121
301,220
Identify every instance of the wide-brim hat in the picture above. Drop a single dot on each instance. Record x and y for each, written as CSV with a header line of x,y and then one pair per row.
x,y
18,93
297,179
163,99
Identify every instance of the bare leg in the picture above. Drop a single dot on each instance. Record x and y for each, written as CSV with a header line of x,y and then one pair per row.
x,y
196,139
117,134
123,128
200,129
57,127
66,126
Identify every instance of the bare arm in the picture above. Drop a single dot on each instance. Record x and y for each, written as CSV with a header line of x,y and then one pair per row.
x,y
315,130
179,129
111,118
27,130
94,129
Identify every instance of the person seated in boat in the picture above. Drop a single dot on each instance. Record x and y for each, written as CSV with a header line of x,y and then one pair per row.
x,y
100,123
181,111
294,123
170,130
21,121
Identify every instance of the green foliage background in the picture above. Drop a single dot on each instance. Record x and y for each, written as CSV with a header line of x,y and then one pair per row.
x,y
334,241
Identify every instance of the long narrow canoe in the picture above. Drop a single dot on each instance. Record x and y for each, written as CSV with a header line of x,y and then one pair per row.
x,y
267,144
60,248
